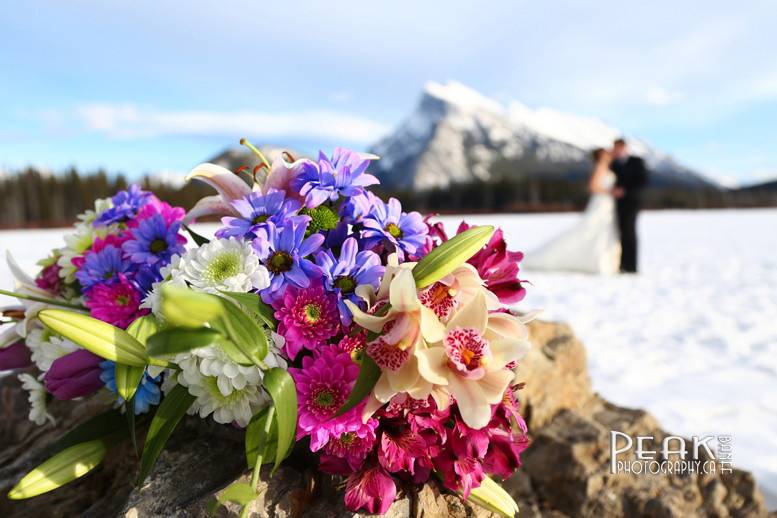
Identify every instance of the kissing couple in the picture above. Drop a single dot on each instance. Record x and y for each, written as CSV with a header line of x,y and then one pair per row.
x,y
604,240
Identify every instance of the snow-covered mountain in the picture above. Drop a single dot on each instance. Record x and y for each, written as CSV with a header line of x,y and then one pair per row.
x,y
457,135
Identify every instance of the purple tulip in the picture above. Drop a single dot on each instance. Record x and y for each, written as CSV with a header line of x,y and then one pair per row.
x,y
74,375
14,356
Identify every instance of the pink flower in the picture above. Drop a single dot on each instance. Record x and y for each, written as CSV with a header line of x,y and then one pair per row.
x,y
435,236
48,279
117,303
460,473
169,213
400,448
372,489
307,317
110,239
504,453
353,446
498,267
352,343
323,385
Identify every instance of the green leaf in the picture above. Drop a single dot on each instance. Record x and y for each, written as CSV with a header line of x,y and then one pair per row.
x,y
244,332
184,307
238,492
365,382
170,411
127,379
450,255
254,437
254,304
181,339
97,427
280,386
197,238
66,466
142,328
99,337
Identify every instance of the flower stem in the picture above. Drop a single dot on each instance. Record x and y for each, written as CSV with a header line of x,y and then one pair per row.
x,y
260,453
33,298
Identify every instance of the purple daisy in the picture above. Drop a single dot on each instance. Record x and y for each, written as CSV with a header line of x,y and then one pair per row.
x,y
342,175
255,211
343,274
323,385
386,223
103,266
282,250
126,205
153,241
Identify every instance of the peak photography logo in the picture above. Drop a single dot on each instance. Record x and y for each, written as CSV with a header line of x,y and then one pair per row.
x,y
645,454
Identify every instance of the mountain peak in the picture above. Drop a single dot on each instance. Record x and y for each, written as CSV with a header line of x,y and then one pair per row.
x,y
461,96
456,135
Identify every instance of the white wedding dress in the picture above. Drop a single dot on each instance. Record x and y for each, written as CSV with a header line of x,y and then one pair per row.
x,y
591,246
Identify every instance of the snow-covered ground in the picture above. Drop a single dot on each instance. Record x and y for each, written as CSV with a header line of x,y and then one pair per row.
x,y
692,338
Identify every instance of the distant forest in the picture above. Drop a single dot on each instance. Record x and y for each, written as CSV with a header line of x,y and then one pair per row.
x,y
30,198
536,194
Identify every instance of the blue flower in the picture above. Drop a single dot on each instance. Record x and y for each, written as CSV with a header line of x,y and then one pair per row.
x,y
353,268
356,208
147,394
255,211
330,178
282,250
126,205
152,241
102,266
386,223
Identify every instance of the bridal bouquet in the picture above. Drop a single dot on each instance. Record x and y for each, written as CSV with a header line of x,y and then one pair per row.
x,y
318,314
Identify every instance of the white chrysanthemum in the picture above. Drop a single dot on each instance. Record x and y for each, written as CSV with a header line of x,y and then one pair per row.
x,y
46,348
224,264
170,273
37,399
228,390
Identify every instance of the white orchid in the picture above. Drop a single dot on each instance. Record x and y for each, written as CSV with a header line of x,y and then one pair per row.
x,y
470,361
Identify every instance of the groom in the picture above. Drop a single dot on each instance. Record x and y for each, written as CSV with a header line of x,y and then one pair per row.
x,y
632,177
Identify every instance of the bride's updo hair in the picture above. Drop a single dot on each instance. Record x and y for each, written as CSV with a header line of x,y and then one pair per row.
x,y
597,153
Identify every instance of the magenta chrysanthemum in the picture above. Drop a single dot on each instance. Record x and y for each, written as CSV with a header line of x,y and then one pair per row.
x,y
307,317
117,303
353,446
323,385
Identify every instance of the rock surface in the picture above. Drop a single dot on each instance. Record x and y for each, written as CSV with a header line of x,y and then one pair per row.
x,y
565,471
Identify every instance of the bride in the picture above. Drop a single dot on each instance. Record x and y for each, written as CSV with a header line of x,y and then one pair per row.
x,y
592,245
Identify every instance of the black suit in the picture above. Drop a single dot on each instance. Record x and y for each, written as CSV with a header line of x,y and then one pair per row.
x,y
632,178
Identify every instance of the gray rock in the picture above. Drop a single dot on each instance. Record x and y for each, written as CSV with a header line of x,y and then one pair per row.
x,y
565,471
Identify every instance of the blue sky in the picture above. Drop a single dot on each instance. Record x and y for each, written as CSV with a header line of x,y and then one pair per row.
x,y
147,86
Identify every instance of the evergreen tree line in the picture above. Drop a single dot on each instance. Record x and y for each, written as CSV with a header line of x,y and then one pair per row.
x,y
536,194
30,198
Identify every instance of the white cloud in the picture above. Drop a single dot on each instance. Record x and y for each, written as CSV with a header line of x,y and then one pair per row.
x,y
659,96
128,121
